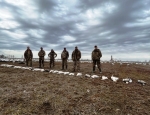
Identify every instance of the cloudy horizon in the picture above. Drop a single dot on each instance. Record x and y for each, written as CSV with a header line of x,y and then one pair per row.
x,y
120,28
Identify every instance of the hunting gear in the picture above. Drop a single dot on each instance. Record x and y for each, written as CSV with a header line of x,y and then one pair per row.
x,y
96,55
76,55
28,55
52,56
64,57
41,55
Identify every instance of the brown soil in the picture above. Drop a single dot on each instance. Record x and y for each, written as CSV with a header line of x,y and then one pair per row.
x,y
26,92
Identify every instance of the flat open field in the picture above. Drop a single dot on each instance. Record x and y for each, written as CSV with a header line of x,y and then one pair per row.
x,y
26,92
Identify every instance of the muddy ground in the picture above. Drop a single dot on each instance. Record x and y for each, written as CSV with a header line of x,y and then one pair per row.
x,y
26,92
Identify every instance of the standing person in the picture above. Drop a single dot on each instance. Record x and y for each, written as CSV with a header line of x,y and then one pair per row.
x,y
28,55
41,55
64,57
76,55
96,55
52,56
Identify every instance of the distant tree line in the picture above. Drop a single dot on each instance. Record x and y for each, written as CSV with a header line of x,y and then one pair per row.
x,y
9,56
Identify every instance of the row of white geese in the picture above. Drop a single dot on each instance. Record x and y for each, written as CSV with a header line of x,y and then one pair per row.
x,y
113,78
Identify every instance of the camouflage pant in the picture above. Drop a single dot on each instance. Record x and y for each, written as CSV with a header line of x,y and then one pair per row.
x,y
76,65
52,63
29,60
64,61
41,61
96,62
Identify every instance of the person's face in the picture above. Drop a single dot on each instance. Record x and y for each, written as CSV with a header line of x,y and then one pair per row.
x,y
28,48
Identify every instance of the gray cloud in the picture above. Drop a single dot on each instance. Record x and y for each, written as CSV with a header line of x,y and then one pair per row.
x,y
117,27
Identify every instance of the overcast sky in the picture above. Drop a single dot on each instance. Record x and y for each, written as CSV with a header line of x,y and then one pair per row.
x,y
120,28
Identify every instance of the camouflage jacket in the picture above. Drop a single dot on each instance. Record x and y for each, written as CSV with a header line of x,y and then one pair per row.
x,y
76,55
28,54
41,53
65,55
96,54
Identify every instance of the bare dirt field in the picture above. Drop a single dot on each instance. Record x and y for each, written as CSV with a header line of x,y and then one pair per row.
x,y
26,92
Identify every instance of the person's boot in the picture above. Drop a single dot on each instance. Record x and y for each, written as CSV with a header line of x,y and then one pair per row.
x,y
39,65
93,69
66,66
100,70
43,63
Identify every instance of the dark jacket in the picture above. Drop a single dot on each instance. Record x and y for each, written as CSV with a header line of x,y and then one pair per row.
x,y
28,54
76,55
96,54
52,55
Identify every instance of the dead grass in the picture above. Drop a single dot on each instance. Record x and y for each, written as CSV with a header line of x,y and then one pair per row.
x,y
24,92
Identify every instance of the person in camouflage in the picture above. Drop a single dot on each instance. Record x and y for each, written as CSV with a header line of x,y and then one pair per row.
x,y
76,55
64,57
41,55
52,56
96,55
28,55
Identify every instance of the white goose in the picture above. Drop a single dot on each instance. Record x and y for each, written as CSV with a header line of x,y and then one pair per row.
x,y
60,72
51,71
66,73
87,75
94,76
9,65
115,79
28,68
37,69
127,80
79,74
71,73
104,77
142,82
4,65
18,67
46,70
55,71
